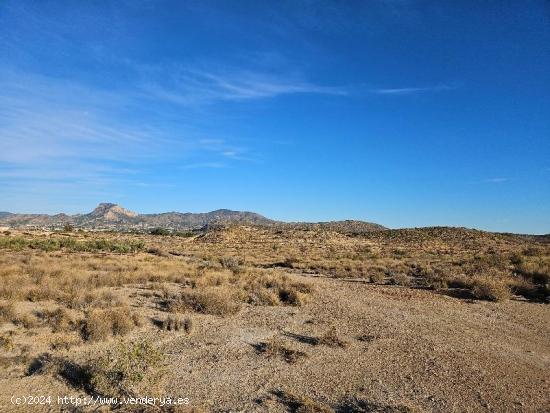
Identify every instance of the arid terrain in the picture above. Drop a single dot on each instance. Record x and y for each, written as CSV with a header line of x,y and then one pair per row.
x,y
246,318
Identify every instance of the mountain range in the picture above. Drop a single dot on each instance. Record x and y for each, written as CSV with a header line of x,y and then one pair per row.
x,y
108,216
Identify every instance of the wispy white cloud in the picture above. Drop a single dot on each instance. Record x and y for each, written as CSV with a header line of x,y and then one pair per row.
x,y
193,86
61,133
226,150
45,119
411,90
206,165
71,136
496,180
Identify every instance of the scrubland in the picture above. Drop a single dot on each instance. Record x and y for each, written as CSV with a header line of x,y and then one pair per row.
x,y
247,318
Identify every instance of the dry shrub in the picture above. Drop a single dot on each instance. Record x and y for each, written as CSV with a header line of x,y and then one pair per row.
x,y
273,289
105,299
124,321
176,323
232,263
101,324
212,301
460,281
537,272
332,339
274,347
211,280
128,370
158,252
40,293
7,312
358,405
437,283
301,287
377,277
45,363
532,251
516,258
526,288
10,288
160,290
6,342
64,341
97,325
301,404
290,295
28,321
290,262
59,320
490,289
399,253
262,296
401,279
76,300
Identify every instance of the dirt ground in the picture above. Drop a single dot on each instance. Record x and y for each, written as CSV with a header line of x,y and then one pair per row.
x,y
390,348
404,349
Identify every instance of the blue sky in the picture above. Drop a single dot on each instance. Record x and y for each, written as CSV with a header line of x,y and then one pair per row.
x,y
406,113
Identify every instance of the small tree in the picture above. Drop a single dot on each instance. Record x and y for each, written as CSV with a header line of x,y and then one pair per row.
x,y
68,228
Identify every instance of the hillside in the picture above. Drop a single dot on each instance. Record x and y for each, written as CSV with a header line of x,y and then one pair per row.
x,y
344,227
108,216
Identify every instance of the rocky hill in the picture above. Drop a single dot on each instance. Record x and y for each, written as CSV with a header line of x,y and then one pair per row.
x,y
114,217
343,227
107,216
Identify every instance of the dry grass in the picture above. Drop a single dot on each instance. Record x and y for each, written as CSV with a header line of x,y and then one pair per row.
x,y
27,320
377,277
275,347
83,288
491,289
177,323
60,320
223,294
401,279
102,324
6,342
7,312
332,339
213,301
129,369
301,404
65,341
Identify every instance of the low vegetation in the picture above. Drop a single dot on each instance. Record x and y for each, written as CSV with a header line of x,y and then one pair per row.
x,y
332,339
177,323
301,403
129,369
99,325
275,347
70,292
71,244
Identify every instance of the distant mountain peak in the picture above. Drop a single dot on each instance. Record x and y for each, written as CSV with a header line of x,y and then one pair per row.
x,y
109,216
111,212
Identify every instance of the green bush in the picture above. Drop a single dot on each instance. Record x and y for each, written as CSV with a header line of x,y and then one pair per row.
x,y
71,244
159,231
